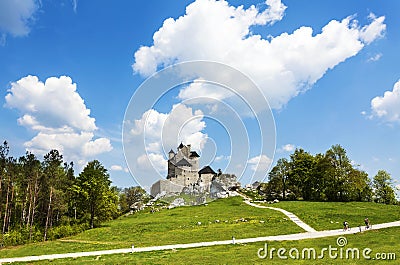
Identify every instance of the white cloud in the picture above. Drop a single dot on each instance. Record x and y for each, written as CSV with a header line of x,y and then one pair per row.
x,y
54,103
182,124
58,114
96,147
152,160
375,30
272,14
387,108
16,16
222,158
157,133
75,5
203,92
288,148
282,66
116,168
260,163
375,58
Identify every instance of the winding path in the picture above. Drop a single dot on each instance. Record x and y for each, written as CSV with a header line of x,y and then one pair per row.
x,y
291,216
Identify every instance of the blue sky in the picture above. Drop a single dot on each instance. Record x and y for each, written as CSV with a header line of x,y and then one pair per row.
x,y
329,70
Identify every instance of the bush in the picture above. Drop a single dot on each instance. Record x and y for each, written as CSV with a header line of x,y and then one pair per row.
x,y
21,236
66,230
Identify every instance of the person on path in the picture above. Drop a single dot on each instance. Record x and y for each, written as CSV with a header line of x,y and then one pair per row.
x,y
366,221
345,225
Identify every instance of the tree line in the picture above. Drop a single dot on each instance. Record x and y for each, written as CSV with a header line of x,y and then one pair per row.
x,y
41,200
325,177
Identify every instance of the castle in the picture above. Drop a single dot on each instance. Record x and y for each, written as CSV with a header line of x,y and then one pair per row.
x,y
184,174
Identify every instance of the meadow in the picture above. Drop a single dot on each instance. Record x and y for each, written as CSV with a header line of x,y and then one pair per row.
x,y
220,220
331,215
384,241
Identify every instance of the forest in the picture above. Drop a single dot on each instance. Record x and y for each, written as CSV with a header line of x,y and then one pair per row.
x,y
326,177
43,199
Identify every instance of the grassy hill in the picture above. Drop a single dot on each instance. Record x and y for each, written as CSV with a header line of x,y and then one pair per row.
x,y
219,220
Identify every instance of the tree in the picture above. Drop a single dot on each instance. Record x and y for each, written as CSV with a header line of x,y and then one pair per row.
x,y
4,150
360,187
31,170
136,194
54,183
301,169
279,176
382,184
36,196
132,195
95,195
339,178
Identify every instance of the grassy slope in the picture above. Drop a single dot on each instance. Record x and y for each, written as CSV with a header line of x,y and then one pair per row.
x,y
331,215
173,226
382,241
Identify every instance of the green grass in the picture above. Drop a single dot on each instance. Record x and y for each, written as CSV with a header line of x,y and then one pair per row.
x,y
178,225
331,215
379,241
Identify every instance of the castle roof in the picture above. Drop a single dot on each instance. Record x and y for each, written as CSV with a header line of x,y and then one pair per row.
x,y
194,154
207,170
171,152
180,146
183,162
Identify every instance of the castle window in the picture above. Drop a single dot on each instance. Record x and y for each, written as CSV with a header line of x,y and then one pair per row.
x,y
188,178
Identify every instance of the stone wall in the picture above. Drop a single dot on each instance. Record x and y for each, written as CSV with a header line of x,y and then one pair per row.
x,y
164,186
205,181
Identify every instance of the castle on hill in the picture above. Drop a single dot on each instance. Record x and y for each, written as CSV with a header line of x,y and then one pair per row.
x,y
184,174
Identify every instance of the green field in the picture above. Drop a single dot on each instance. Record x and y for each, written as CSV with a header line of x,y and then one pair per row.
x,y
331,215
382,241
220,220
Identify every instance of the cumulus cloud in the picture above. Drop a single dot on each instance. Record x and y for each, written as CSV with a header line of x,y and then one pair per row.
x,y
387,108
282,66
58,114
16,16
54,103
161,132
375,30
198,89
151,161
260,163
182,124
119,168
288,148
